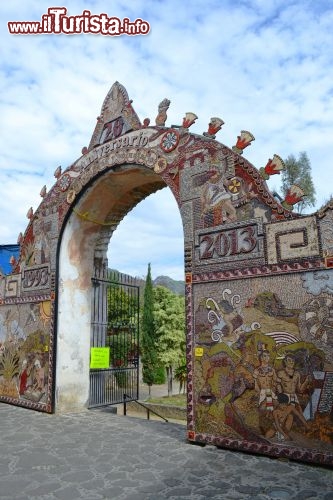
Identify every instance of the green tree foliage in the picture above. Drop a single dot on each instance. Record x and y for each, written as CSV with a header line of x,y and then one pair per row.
x,y
328,201
159,375
298,171
122,328
169,316
148,336
181,375
121,306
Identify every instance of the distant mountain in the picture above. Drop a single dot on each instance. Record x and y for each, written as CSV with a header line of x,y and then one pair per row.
x,y
175,286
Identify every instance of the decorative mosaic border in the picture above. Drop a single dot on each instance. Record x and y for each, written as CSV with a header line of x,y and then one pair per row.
x,y
189,351
276,451
251,272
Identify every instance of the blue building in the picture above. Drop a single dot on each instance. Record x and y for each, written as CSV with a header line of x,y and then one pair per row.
x,y
6,252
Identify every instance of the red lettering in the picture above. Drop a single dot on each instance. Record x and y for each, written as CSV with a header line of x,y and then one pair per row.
x,y
222,244
234,242
207,252
249,239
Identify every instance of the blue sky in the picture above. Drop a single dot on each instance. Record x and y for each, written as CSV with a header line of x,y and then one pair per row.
x,y
262,65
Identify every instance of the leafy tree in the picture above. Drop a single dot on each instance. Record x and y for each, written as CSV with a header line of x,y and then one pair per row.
x,y
159,375
298,171
122,307
148,344
122,324
181,375
122,327
169,315
329,200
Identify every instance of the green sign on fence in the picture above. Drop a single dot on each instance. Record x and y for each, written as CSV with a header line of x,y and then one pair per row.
x,y
99,357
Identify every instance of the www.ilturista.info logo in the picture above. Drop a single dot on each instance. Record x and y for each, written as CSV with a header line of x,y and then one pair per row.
x,y
57,22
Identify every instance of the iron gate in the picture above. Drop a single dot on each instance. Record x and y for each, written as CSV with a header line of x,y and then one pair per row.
x,y
115,326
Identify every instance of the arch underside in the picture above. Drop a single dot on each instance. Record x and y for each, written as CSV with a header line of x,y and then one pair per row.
x,y
110,198
82,255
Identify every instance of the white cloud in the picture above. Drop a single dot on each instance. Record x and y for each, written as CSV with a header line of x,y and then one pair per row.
x,y
264,66
153,233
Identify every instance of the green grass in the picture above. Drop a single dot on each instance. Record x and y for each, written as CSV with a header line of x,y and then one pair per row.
x,y
175,400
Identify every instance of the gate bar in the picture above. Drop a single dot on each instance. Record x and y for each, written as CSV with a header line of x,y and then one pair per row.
x,y
149,410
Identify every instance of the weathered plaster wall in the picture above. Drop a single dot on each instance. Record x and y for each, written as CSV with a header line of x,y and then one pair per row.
x,y
74,317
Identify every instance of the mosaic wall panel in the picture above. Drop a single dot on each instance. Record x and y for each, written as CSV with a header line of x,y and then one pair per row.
x,y
25,348
259,315
260,321
263,368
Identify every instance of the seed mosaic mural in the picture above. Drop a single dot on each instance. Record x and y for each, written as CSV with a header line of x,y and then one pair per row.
x,y
259,282
261,316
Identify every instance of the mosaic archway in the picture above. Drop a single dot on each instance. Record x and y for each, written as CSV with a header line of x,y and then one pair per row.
x,y
259,293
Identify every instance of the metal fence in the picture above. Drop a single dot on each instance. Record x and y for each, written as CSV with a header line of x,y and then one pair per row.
x,y
115,326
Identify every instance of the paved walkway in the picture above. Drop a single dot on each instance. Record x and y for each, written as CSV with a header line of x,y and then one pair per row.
x,y
99,455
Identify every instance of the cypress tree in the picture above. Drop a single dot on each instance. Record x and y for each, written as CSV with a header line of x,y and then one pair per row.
x,y
148,349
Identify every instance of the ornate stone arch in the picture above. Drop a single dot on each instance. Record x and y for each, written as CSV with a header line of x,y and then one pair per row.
x,y
246,255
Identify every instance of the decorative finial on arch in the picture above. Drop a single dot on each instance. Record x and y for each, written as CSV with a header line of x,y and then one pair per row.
x,y
243,141
294,195
162,115
57,172
146,123
273,166
12,261
214,126
43,191
20,238
30,213
188,120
